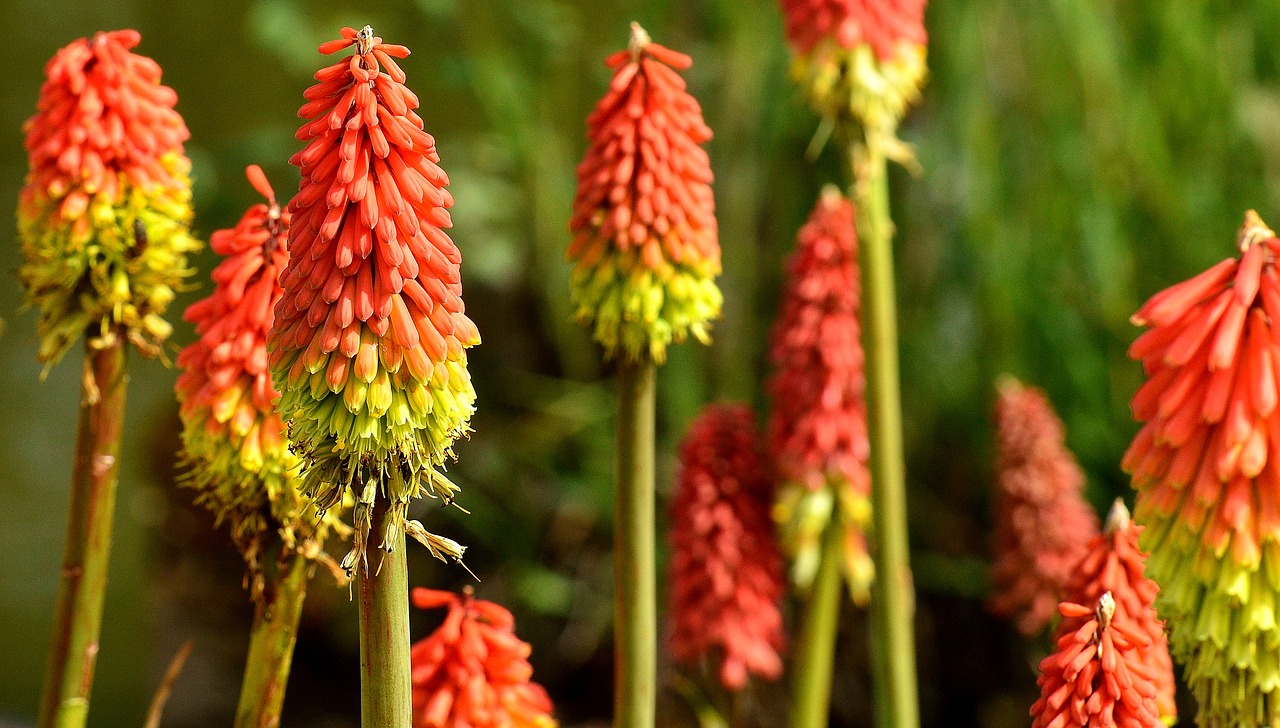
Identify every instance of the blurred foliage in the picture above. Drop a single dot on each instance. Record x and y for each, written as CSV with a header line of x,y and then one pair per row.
x,y
1079,155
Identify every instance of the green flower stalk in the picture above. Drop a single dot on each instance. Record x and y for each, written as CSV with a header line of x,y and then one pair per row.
x,y
235,448
104,223
368,348
645,254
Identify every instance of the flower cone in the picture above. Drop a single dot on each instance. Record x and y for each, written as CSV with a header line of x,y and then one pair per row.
x,y
473,671
1042,523
645,251
1096,677
818,426
105,215
1114,564
369,344
1205,468
234,442
726,572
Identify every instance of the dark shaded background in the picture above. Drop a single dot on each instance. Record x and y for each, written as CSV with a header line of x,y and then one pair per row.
x,y
1079,155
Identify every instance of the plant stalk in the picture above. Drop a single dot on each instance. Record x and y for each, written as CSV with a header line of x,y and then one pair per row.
x,y
77,620
893,594
271,641
386,698
816,649
635,602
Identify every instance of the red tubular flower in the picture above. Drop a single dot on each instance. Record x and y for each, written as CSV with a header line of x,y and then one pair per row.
x,y
1096,678
817,430
368,347
105,214
473,672
1207,470
726,573
1114,564
645,248
234,442
859,60
1042,523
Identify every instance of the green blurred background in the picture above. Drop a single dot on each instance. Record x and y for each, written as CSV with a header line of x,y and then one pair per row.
x,y
1078,156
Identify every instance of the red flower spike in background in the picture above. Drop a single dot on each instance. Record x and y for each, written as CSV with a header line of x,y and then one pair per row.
x,y
818,427
645,251
234,442
369,344
1206,466
473,672
1042,522
859,60
726,572
106,211
1114,564
1096,678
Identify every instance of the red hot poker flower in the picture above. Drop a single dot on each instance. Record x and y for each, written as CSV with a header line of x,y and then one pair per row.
x,y
105,214
726,573
1042,523
233,439
818,427
1206,465
645,247
368,349
1095,678
473,672
881,24
1114,564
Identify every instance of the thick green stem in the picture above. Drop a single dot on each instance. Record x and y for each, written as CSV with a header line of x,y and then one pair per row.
x,y
816,649
77,620
386,699
635,602
275,630
893,595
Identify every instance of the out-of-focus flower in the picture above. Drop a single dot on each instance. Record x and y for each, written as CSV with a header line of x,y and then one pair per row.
x,y
726,572
1096,677
1042,523
234,442
368,347
1113,563
818,427
473,672
104,217
1205,468
645,251
859,60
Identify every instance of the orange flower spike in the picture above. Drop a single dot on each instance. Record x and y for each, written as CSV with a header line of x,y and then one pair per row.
x,y
473,672
234,443
1205,468
369,346
1095,678
817,430
105,214
645,247
1042,523
858,60
726,572
1113,563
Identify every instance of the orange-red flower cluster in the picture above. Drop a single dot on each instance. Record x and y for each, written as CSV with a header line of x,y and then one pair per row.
x,y
882,24
817,429
1114,564
106,209
1096,678
1206,465
473,672
645,247
726,572
1042,522
368,349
